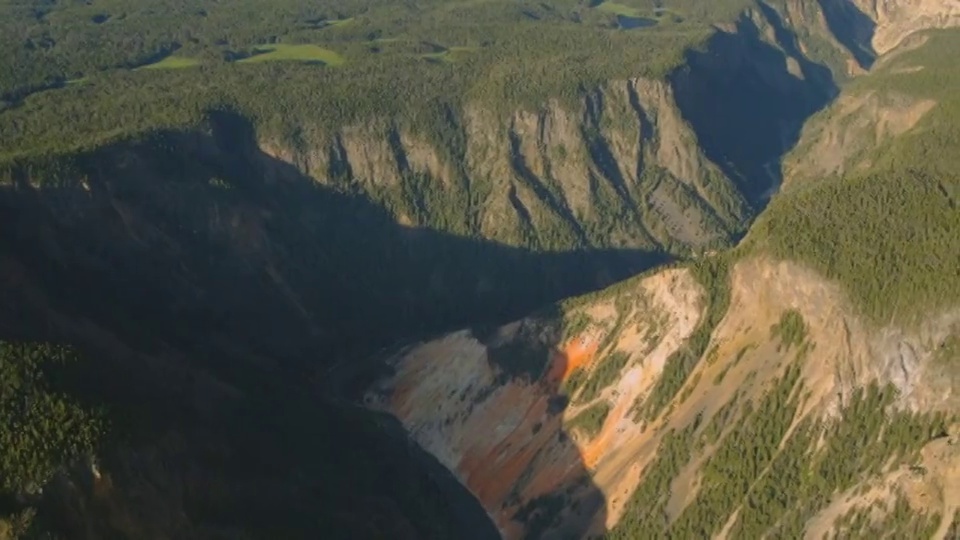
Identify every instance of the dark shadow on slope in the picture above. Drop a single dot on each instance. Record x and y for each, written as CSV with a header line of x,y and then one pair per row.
x,y
531,478
852,28
209,281
534,475
746,107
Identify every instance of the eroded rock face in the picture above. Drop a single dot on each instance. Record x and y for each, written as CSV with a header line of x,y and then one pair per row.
x,y
522,442
836,142
674,165
508,437
623,159
897,19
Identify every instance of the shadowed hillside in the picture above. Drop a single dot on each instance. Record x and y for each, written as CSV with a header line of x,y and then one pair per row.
x,y
255,277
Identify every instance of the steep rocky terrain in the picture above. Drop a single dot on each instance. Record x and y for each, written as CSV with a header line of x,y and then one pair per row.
x,y
534,442
237,298
621,170
677,166
895,21
631,411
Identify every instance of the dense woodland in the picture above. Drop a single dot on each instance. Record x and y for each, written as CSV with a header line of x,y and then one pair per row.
x,y
405,61
889,233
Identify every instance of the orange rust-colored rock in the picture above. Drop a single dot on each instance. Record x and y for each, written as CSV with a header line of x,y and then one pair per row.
x,y
495,471
491,472
503,434
577,353
504,440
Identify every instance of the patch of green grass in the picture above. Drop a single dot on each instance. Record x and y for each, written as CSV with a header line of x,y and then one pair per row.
x,y
516,63
294,53
591,420
337,22
172,62
620,9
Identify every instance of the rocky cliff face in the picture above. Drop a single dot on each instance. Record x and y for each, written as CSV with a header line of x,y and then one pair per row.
x,y
897,19
615,413
846,137
533,444
621,168
679,166
506,435
843,139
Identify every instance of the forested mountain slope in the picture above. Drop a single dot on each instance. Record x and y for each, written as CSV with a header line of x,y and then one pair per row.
x,y
214,218
550,127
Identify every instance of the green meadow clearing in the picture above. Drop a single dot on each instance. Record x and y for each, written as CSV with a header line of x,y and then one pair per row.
x,y
297,53
172,62
620,9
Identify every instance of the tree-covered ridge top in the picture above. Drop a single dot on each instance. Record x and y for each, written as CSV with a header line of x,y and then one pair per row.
x,y
76,62
887,233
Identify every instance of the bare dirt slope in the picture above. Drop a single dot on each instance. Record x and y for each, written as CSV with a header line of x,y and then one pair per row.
x,y
511,447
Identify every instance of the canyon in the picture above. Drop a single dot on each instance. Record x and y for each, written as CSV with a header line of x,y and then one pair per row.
x,y
573,320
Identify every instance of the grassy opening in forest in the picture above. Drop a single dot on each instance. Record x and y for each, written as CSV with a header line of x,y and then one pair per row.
x,y
172,62
620,9
295,53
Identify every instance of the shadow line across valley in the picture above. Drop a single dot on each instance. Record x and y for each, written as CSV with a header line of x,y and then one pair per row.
x,y
206,282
